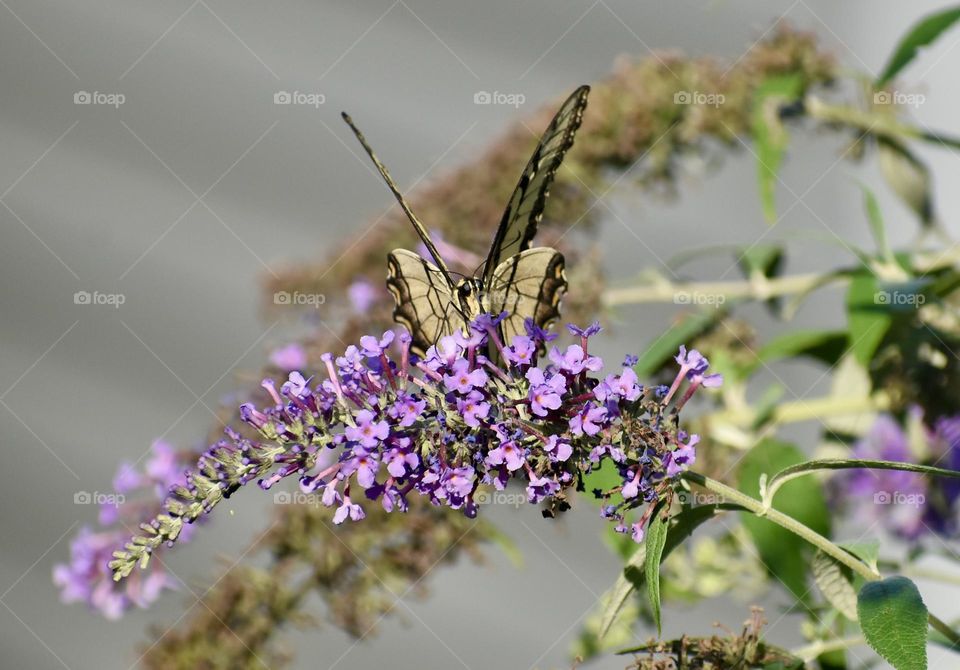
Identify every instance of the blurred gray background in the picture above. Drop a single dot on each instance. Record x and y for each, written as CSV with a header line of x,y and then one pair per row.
x,y
198,186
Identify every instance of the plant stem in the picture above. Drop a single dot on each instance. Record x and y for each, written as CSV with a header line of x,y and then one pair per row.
x,y
880,124
816,539
814,650
758,289
804,410
761,289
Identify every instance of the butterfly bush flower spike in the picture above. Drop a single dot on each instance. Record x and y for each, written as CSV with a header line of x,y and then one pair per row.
x,y
384,425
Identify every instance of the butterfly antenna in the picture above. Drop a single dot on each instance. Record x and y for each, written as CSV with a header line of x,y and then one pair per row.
x,y
418,226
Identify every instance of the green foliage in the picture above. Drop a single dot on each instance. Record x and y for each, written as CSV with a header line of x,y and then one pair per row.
x,y
784,554
923,33
770,136
894,621
655,541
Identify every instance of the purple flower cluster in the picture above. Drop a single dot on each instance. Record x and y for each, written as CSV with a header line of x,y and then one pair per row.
x,y
137,496
907,504
473,412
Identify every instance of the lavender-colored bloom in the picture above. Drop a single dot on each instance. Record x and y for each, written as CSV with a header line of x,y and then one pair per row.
x,y
586,422
462,379
536,333
362,295
368,432
508,454
348,508
681,458
522,351
630,360
473,408
589,331
544,391
372,347
406,410
289,357
441,425
692,362
575,360
127,478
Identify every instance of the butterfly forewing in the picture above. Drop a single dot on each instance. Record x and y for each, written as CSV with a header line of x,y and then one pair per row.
x,y
424,300
525,208
527,285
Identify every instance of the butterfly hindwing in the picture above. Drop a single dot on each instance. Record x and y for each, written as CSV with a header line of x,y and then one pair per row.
x,y
424,300
525,208
527,285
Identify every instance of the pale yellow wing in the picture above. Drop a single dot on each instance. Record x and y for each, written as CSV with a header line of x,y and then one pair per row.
x,y
527,285
424,303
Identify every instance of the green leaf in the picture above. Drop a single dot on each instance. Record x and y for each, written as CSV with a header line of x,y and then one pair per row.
x,y
921,34
877,227
764,259
604,479
868,552
784,553
908,176
621,590
656,539
769,135
825,346
894,622
682,526
809,467
868,319
667,345
835,583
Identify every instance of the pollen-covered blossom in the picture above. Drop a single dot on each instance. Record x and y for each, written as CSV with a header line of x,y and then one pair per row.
x,y
137,495
383,424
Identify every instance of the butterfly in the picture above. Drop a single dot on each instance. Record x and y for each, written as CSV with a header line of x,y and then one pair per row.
x,y
524,282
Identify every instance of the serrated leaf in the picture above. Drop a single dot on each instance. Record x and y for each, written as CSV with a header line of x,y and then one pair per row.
x,y
920,35
655,542
893,619
769,135
833,580
784,554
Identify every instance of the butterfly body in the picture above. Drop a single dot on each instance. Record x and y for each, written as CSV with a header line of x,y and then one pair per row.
x,y
523,282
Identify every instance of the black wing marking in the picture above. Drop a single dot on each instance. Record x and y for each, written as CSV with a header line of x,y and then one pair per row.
x,y
525,208
528,285
424,302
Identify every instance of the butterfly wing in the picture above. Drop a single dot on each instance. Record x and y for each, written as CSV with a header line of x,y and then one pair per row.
x,y
525,208
527,285
425,302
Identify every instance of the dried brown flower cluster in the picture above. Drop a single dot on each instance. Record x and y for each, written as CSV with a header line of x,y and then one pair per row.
x,y
359,570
